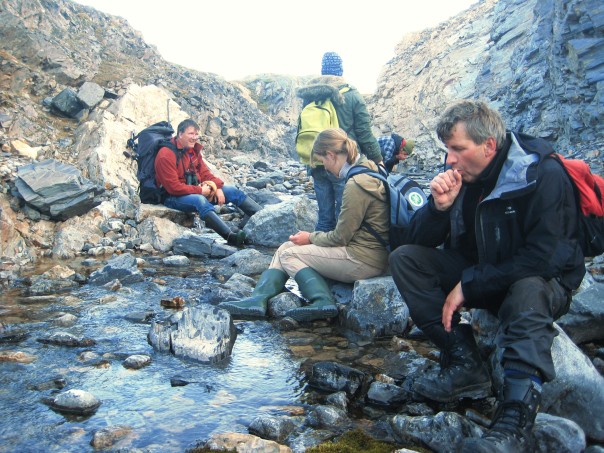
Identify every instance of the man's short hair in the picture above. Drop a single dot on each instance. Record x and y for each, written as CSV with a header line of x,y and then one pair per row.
x,y
480,120
184,125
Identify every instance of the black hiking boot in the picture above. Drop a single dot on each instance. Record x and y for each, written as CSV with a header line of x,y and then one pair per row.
x,y
462,372
213,221
512,427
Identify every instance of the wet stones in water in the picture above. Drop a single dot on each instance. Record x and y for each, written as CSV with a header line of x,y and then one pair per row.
x,y
176,261
17,356
204,333
58,382
333,377
175,302
271,427
12,335
328,417
137,361
106,438
67,339
65,320
143,317
76,402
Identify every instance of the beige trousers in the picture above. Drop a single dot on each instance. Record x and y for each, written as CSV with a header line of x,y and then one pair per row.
x,y
331,262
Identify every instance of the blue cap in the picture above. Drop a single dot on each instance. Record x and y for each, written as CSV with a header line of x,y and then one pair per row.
x,y
331,64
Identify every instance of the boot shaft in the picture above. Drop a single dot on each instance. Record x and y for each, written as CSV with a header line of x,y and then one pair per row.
x,y
213,221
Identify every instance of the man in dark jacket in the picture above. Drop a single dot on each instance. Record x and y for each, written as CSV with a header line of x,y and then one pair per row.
x,y
192,187
356,122
507,216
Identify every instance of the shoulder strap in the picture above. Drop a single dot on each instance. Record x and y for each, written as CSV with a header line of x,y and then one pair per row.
x,y
360,169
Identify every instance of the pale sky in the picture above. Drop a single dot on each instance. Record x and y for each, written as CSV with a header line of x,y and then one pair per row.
x,y
239,38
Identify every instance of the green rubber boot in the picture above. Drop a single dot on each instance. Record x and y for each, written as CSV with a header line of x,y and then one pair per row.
x,y
314,288
270,283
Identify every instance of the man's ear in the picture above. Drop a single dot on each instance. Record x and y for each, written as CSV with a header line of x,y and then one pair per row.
x,y
490,147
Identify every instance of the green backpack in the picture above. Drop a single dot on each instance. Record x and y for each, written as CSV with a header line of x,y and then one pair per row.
x,y
315,117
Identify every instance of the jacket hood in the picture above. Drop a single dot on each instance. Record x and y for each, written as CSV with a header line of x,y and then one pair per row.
x,y
369,184
321,88
518,174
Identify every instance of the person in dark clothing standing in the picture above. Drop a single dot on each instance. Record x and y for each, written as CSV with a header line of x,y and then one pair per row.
x,y
506,214
353,118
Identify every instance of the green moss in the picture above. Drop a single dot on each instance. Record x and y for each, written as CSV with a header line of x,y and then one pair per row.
x,y
353,442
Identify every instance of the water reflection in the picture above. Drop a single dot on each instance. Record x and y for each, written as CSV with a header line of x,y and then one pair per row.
x,y
260,376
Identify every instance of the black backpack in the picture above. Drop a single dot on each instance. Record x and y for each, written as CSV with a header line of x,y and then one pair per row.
x,y
145,146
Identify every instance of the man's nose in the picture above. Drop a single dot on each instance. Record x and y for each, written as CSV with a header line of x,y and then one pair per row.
x,y
450,159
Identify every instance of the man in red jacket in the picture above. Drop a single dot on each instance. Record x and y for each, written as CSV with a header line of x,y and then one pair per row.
x,y
191,186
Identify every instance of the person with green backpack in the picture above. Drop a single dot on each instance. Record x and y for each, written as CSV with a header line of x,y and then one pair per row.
x,y
348,253
330,102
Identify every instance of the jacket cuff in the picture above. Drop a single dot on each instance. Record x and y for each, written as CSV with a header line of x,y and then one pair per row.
x,y
468,286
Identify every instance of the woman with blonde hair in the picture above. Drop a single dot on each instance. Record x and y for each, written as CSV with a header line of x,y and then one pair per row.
x,y
346,254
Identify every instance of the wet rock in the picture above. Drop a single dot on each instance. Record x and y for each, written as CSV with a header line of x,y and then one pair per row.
x,y
143,317
175,302
441,432
10,334
329,417
123,267
244,442
77,402
405,364
137,361
376,309
106,438
17,356
65,320
585,318
56,383
338,399
557,434
279,305
176,261
333,377
389,395
271,427
202,333
66,339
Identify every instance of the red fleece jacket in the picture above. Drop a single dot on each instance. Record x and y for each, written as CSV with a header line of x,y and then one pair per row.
x,y
172,178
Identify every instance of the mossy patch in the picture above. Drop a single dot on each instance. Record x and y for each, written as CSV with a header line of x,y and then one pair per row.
x,y
353,442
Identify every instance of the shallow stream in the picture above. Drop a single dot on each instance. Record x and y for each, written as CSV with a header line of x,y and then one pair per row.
x,y
261,375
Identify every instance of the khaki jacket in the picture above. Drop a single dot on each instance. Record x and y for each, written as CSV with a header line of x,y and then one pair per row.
x,y
364,199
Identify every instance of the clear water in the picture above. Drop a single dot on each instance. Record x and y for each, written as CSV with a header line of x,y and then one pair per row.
x,y
261,376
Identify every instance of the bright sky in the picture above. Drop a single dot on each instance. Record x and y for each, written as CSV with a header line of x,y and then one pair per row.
x,y
239,38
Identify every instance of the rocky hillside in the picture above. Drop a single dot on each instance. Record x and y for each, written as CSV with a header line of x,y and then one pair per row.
x,y
540,62
50,45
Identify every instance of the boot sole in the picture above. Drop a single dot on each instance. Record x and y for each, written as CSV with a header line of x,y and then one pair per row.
x,y
305,314
252,312
475,392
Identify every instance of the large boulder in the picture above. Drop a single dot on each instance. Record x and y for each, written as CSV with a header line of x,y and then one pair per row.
x,y
273,225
